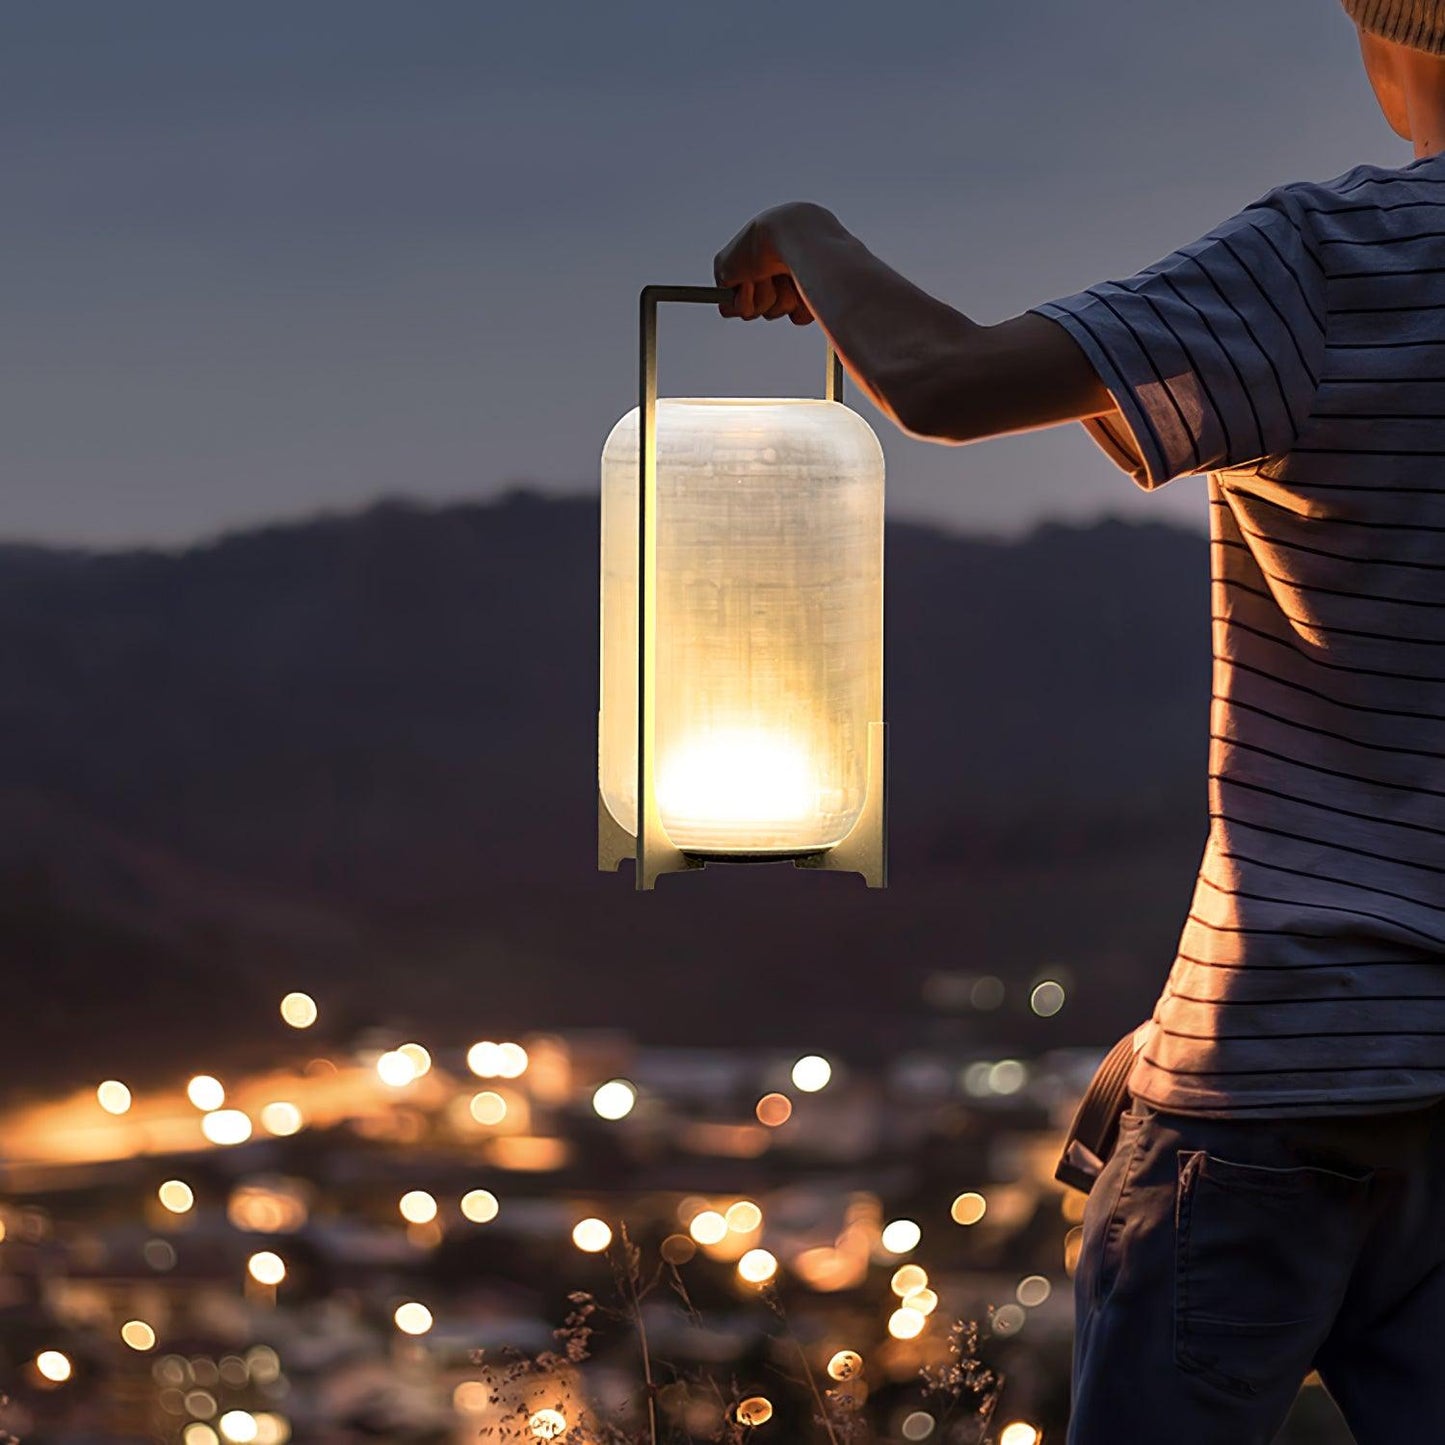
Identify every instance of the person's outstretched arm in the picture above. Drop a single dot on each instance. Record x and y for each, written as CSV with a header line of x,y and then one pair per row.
x,y
936,373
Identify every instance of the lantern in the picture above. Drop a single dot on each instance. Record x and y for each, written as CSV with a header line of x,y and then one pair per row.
x,y
741,712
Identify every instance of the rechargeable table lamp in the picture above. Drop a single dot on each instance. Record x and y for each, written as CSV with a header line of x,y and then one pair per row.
x,y
741,714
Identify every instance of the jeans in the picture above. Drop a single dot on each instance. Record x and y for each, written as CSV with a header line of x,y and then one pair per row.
x,y
1223,1259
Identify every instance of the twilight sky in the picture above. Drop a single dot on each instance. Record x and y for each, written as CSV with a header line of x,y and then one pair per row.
x,y
266,259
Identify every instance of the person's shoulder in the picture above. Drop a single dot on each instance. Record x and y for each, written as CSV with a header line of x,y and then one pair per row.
x,y
1359,191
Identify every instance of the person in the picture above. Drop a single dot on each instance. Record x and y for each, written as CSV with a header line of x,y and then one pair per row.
x,y
1275,1203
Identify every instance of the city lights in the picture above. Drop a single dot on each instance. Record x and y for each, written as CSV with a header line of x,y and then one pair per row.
x,y
811,1073
925,1301
511,1060
480,1206
757,1266
226,1126
412,1318
206,1092
908,1279
54,1366
420,1059
1033,1290
1008,1320
238,1427
1018,1432
484,1059
396,1069
281,1119
743,1217
418,1207
591,1236
113,1097
969,1208
197,1433
176,1195
614,1099
266,1267
138,1335
901,1236
905,1323
845,1365
299,1010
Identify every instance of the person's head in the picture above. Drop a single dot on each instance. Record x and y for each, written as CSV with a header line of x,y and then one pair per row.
x,y
1402,43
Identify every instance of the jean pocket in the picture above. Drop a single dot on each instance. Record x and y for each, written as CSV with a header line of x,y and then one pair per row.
x,y
1262,1258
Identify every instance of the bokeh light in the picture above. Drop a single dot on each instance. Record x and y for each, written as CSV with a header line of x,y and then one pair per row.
x,y
754,1411
743,1217
708,1227
238,1426
905,1323
917,1426
908,1278
177,1196
900,1236
757,1266
395,1069
1033,1290
206,1092
1018,1432
299,1010
138,1335
199,1433
480,1206
1047,998
1008,1320
113,1096
969,1208
281,1118
845,1365
412,1318
925,1301
591,1236
614,1099
547,1424
53,1365
812,1073
774,1110
417,1207
511,1060
488,1107
226,1127
484,1059
266,1267
420,1058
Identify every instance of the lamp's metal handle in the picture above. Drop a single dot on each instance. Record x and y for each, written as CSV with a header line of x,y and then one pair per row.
x,y
656,853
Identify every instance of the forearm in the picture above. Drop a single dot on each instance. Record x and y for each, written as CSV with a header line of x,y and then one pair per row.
x,y
892,336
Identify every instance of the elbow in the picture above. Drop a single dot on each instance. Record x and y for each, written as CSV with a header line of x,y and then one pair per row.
x,y
937,403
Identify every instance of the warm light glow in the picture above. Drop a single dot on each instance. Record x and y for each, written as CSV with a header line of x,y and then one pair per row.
x,y
591,1236
1018,1432
900,1236
905,1323
743,1217
480,1206
969,1208
488,1107
413,1318
138,1335
774,1109
925,1301
1033,1290
511,1060
206,1092
845,1365
1047,998
907,1279
755,1410
266,1267
614,1099
918,1425
396,1069
299,1010
708,1227
281,1118
812,1073
420,1058
418,1207
735,779
1007,1076
238,1426
548,1424
113,1096
198,1434
757,1266
484,1059
226,1126
53,1366
176,1195
1007,1320
272,1429
472,1397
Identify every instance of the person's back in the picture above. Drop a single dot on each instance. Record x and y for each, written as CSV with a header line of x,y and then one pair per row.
x,y
1275,1201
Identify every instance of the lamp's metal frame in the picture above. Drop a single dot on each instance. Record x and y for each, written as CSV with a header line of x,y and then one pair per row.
x,y
865,848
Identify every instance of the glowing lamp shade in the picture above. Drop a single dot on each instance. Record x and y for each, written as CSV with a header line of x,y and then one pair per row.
x,y
755,553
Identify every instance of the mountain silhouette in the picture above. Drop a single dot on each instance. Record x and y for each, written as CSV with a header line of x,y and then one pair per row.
x,y
357,755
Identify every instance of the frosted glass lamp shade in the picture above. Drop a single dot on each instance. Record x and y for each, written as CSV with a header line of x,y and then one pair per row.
x,y
768,663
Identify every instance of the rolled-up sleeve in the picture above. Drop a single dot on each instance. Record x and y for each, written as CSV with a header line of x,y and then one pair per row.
x,y
1211,355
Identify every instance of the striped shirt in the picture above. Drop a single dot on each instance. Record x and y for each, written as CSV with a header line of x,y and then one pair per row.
x,y
1297,355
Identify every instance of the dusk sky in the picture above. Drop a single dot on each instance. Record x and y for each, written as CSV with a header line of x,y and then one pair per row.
x,y
263,260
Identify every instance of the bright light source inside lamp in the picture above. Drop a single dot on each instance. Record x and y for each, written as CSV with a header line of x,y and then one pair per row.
x,y
736,778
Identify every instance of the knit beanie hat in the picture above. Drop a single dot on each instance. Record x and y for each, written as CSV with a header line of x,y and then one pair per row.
x,y
1420,24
